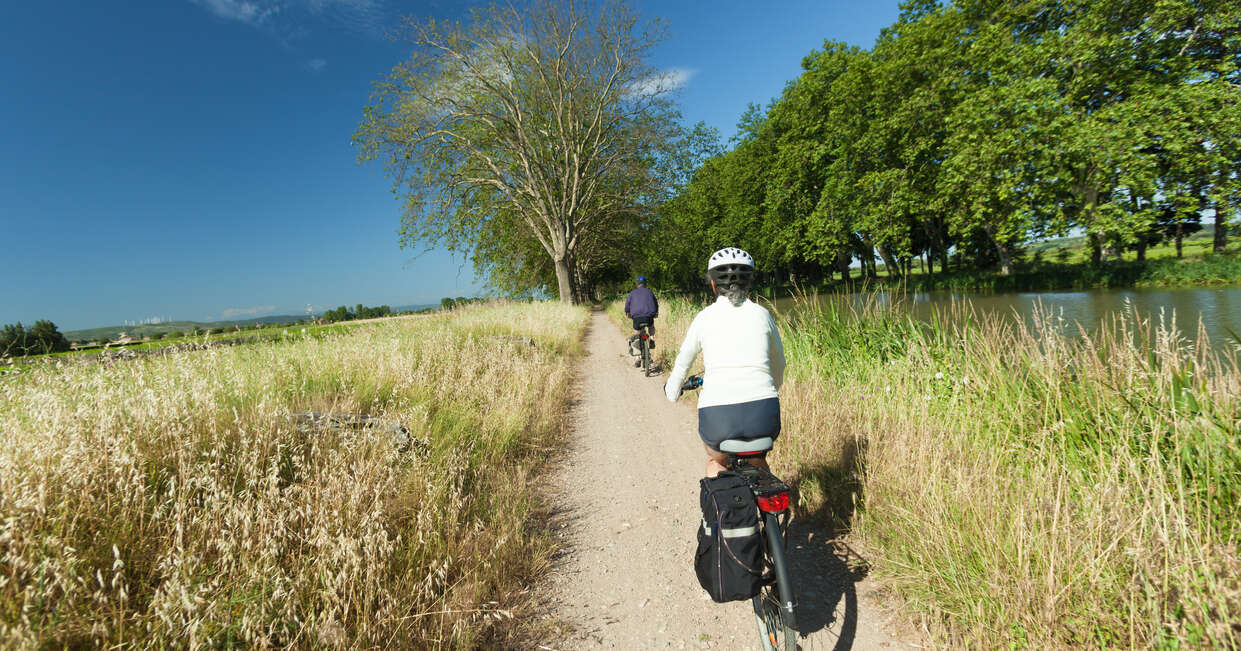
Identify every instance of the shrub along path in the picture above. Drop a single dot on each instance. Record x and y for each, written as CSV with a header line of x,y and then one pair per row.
x,y
626,497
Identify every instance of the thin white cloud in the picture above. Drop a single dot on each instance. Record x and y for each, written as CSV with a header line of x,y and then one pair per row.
x,y
367,16
234,312
316,65
670,80
250,12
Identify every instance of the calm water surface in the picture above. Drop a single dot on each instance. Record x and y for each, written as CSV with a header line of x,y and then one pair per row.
x,y
1219,309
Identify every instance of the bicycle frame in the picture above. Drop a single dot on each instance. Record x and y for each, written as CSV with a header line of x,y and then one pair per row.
x,y
775,547
771,497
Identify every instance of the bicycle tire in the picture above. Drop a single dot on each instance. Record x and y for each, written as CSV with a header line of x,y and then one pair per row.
x,y
777,625
646,357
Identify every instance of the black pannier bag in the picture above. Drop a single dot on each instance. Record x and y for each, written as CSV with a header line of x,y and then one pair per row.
x,y
729,561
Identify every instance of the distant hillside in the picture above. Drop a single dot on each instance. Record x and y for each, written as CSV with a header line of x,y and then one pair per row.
x,y
112,332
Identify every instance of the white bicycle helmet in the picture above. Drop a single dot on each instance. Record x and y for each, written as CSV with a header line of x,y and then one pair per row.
x,y
731,269
729,255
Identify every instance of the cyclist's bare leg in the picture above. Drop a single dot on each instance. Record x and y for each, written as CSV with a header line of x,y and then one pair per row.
x,y
717,462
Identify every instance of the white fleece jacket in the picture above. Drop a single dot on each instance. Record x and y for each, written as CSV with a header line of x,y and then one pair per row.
x,y
741,351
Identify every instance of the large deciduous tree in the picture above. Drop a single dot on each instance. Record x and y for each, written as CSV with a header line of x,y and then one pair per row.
x,y
532,123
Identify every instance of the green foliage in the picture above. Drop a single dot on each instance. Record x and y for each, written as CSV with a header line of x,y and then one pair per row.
x,y
40,339
448,303
359,311
971,130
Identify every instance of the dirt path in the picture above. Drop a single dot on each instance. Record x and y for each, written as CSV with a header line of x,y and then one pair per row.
x,y
627,498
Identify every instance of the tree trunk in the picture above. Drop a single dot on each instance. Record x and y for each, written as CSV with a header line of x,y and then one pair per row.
x,y
1006,259
1221,230
842,264
1001,249
868,261
1096,249
1141,249
1180,236
563,280
891,264
1112,251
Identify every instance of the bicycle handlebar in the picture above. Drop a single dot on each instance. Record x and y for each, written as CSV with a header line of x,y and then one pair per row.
x,y
692,382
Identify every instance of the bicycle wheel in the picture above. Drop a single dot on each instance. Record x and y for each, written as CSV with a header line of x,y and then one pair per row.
x,y
774,605
646,357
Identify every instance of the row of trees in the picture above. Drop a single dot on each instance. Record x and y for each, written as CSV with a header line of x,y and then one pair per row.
x,y
538,139
43,337
360,311
975,127
448,303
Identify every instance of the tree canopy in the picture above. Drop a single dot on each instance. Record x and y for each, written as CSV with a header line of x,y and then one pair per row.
x,y
531,136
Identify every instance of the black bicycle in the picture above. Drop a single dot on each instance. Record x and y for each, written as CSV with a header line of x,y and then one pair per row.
x,y
645,343
775,606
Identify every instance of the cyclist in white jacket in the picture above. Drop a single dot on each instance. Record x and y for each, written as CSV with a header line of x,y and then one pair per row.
x,y
743,358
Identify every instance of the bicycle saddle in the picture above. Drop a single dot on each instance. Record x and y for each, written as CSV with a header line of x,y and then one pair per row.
x,y
743,445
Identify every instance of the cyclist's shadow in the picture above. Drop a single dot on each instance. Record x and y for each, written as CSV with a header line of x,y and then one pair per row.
x,y
827,570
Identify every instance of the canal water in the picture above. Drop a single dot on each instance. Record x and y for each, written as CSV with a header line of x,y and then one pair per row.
x,y
1218,309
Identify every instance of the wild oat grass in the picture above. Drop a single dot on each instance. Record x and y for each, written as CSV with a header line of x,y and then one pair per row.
x,y
173,502
1020,487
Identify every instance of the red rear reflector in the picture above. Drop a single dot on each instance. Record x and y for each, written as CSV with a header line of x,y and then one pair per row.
x,y
645,337
774,503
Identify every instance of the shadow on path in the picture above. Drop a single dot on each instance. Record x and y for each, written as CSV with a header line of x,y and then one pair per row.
x,y
827,572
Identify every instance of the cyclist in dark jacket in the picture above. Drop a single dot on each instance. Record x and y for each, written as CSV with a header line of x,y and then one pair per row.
x,y
642,307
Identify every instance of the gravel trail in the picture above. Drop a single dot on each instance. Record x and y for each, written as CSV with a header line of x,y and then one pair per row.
x,y
626,498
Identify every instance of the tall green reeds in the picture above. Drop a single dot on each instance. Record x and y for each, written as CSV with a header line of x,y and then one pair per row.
x,y
1024,487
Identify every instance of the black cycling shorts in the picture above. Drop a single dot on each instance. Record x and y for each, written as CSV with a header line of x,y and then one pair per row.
x,y
743,420
639,321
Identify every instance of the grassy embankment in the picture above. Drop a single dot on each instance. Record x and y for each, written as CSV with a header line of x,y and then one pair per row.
x,y
1065,264
172,502
1207,270
1020,488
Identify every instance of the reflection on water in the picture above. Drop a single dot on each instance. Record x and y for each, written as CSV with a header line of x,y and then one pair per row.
x,y
1218,309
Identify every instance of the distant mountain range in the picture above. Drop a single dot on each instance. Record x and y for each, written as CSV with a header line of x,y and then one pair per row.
x,y
112,332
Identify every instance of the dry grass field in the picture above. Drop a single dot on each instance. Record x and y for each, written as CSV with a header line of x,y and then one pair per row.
x,y
176,502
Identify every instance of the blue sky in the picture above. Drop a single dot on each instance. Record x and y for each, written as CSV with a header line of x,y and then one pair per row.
x,y
191,159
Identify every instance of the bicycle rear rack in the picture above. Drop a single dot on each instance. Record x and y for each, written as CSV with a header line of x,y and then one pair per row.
x,y
761,481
